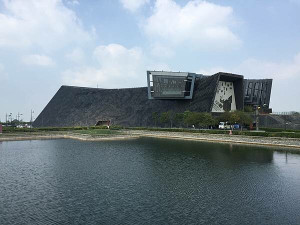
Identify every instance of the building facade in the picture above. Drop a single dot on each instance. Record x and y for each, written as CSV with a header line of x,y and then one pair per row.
x,y
175,91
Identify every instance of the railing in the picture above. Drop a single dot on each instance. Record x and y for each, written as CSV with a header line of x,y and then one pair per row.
x,y
286,113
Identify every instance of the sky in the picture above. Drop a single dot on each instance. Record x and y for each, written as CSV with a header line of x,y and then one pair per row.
x,y
45,44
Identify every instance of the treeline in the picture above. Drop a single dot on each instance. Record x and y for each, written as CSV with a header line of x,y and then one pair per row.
x,y
199,119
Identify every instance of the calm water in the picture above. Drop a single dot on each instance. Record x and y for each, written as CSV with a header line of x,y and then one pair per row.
x,y
146,181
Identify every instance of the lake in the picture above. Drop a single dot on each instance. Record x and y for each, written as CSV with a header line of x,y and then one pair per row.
x,y
147,181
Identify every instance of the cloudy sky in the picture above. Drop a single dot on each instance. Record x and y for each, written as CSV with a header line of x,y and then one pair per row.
x,y
111,43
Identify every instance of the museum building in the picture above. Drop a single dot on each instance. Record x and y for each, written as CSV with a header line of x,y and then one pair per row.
x,y
165,91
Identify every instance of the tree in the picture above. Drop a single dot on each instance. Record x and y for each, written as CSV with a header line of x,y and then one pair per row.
x,y
189,118
14,123
171,117
239,117
225,117
234,117
244,118
248,108
205,119
198,118
164,117
178,119
155,117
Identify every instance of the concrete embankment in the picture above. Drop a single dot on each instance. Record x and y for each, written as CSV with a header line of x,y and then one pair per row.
x,y
292,143
280,142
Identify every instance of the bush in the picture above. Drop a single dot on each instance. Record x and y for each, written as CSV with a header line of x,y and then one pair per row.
x,y
279,130
115,127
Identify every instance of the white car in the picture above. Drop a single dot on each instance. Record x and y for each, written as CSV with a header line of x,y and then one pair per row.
x,y
224,126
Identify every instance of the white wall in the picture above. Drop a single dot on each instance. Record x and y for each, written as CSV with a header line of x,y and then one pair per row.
x,y
225,90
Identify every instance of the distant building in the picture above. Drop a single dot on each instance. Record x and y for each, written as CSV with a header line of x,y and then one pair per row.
x,y
176,91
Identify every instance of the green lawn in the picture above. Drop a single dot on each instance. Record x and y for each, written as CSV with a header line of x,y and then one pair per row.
x,y
97,132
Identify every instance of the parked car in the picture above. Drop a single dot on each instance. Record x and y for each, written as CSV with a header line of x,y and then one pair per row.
x,y
236,126
224,126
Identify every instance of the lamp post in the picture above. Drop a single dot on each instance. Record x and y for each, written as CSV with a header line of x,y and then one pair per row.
x,y
257,107
19,114
285,120
31,117
10,116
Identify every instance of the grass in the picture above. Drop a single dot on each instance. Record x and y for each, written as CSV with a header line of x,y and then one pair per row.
x,y
98,132
102,131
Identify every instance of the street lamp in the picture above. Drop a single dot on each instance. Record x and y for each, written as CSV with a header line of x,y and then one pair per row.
x,y
10,116
31,117
19,114
257,107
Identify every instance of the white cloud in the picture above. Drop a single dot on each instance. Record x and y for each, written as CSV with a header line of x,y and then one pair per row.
x,y
160,50
73,2
213,70
117,67
267,69
133,5
77,55
259,69
46,24
38,60
198,24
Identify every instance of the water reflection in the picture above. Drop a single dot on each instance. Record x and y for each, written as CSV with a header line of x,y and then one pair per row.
x,y
229,153
147,181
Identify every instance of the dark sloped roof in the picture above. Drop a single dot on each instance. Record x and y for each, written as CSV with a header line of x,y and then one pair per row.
x,y
77,106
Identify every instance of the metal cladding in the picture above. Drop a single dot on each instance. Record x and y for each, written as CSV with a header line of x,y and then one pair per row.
x,y
170,85
78,106
258,92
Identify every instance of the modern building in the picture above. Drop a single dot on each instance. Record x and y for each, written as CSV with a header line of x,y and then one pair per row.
x,y
176,91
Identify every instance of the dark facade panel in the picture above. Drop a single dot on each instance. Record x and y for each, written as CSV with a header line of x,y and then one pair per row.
x,y
76,106
257,92
170,85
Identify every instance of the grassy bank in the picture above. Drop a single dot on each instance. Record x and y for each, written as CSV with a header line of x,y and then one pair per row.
x,y
268,132
98,132
41,129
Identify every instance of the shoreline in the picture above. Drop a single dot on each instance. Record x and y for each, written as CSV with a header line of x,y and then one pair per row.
x,y
80,137
291,143
282,143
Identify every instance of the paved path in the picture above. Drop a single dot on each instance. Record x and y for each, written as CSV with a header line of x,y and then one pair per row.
x,y
225,138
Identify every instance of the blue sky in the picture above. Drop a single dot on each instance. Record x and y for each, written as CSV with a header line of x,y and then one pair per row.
x,y
111,43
